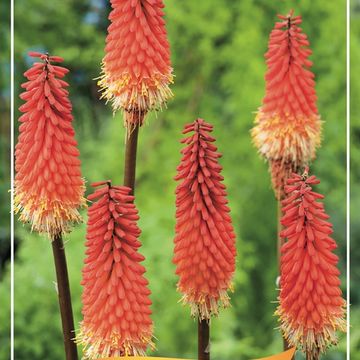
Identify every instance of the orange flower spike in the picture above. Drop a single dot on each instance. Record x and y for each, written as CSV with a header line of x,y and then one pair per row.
x,y
136,67
205,241
287,126
48,184
311,306
116,305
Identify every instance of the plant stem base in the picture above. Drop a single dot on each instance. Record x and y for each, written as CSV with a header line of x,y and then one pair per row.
x,y
203,340
64,295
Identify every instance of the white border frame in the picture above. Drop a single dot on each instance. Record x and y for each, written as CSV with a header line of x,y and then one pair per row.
x,y
348,165
12,183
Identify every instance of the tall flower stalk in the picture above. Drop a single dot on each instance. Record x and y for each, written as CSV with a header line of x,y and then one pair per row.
x,y
311,308
205,241
136,75
287,126
116,304
136,68
48,184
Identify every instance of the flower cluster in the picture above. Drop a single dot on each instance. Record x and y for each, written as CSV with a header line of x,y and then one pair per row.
x,y
287,126
136,68
311,306
48,184
205,241
116,304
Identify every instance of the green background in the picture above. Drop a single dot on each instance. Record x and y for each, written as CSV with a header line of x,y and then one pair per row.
x,y
217,54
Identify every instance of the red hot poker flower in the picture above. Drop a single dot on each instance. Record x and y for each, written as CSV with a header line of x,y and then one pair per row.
x,y
205,241
311,306
116,304
48,184
287,126
136,67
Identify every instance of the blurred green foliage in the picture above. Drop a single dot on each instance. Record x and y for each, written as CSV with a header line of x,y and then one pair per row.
x,y
217,53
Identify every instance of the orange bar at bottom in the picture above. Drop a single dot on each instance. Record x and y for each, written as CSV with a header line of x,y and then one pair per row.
x,y
286,355
141,358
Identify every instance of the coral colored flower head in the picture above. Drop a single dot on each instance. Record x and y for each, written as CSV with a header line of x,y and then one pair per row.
x,y
287,126
311,306
48,184
136,67
205,241
116,304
